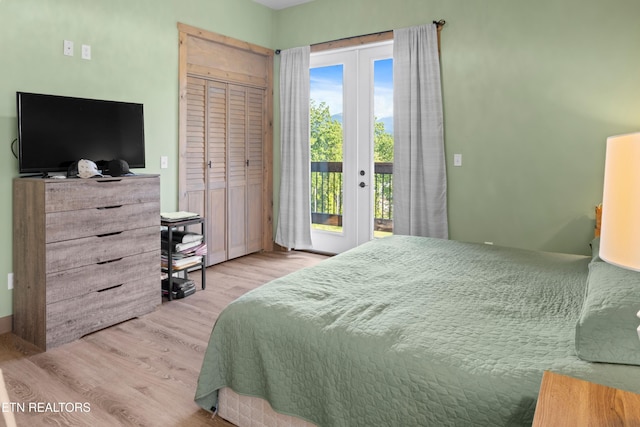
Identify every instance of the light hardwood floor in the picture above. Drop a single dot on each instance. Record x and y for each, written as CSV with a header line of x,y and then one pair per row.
x,y
142,372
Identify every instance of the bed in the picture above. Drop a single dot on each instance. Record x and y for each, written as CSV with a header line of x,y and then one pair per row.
x,y
419,331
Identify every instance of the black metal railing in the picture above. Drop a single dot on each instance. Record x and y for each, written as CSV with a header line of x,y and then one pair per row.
x,y
383,196
327,198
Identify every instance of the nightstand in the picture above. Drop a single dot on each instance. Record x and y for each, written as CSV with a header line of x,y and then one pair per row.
x,y
566,401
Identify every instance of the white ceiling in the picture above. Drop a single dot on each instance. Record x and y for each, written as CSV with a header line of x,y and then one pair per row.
x,y
281,4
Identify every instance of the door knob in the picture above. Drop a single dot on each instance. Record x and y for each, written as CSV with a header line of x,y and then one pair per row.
x,y
362,185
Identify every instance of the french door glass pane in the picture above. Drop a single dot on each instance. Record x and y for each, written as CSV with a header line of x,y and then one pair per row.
x,y
326,147
383,147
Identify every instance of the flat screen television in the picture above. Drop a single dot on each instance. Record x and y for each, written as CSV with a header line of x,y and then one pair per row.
x,y
55,131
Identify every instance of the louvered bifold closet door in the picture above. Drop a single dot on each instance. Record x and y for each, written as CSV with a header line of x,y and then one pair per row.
x,y
255,168
195,150
237,178
225,134
245,178
206,161
217,114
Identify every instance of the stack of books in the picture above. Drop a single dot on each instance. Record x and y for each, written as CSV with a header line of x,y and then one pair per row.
x,y
187,249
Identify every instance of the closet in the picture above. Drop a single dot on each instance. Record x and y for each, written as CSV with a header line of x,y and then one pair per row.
x,y
225,168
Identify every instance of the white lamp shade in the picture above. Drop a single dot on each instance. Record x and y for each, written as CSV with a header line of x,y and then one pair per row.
x,y
620,232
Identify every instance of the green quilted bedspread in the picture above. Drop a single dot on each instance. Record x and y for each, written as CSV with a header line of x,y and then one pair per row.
x,y
408,331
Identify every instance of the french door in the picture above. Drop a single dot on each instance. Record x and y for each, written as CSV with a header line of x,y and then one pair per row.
x,y
351,146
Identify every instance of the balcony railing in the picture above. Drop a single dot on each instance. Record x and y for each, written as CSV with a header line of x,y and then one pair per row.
x,y
327,201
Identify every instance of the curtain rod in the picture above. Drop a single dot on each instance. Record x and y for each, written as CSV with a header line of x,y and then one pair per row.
x,y
439,24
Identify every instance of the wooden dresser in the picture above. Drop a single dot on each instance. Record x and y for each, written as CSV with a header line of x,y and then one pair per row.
x,y
86,255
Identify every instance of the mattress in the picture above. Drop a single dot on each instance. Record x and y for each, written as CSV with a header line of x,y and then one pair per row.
x,y
407,331
245,411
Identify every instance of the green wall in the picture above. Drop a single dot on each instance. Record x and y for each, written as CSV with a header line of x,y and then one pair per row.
x,y
134,58
531,91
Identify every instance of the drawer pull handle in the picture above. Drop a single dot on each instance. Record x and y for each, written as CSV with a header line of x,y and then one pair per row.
x,y
110,287
108,180
109,234
110,261
110,207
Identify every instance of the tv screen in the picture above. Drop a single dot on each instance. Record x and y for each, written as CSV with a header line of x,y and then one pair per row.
x,y
55,131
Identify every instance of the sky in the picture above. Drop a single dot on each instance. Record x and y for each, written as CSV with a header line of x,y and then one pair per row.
x,y
326,86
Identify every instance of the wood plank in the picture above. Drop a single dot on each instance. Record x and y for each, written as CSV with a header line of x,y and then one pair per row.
x,y
566,401
217,74
219,38
183,113
29,244
143,371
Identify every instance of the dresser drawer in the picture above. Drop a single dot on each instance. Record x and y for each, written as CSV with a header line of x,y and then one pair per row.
x,y
100,309
67,195
90,278
67,225
70,254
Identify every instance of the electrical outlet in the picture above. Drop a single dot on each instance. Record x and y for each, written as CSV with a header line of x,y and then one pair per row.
x,y
68,48
10,281
457,160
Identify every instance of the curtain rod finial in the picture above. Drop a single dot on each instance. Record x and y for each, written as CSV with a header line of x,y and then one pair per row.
x,y
440,23
278,51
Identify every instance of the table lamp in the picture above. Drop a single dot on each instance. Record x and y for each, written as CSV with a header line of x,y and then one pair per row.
x,y
620,234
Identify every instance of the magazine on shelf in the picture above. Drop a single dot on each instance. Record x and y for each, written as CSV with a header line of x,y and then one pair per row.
x,y
181,247
181,263
178,236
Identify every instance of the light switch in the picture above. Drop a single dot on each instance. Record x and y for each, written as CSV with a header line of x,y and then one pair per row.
x,y
86,51
457,160
164,162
